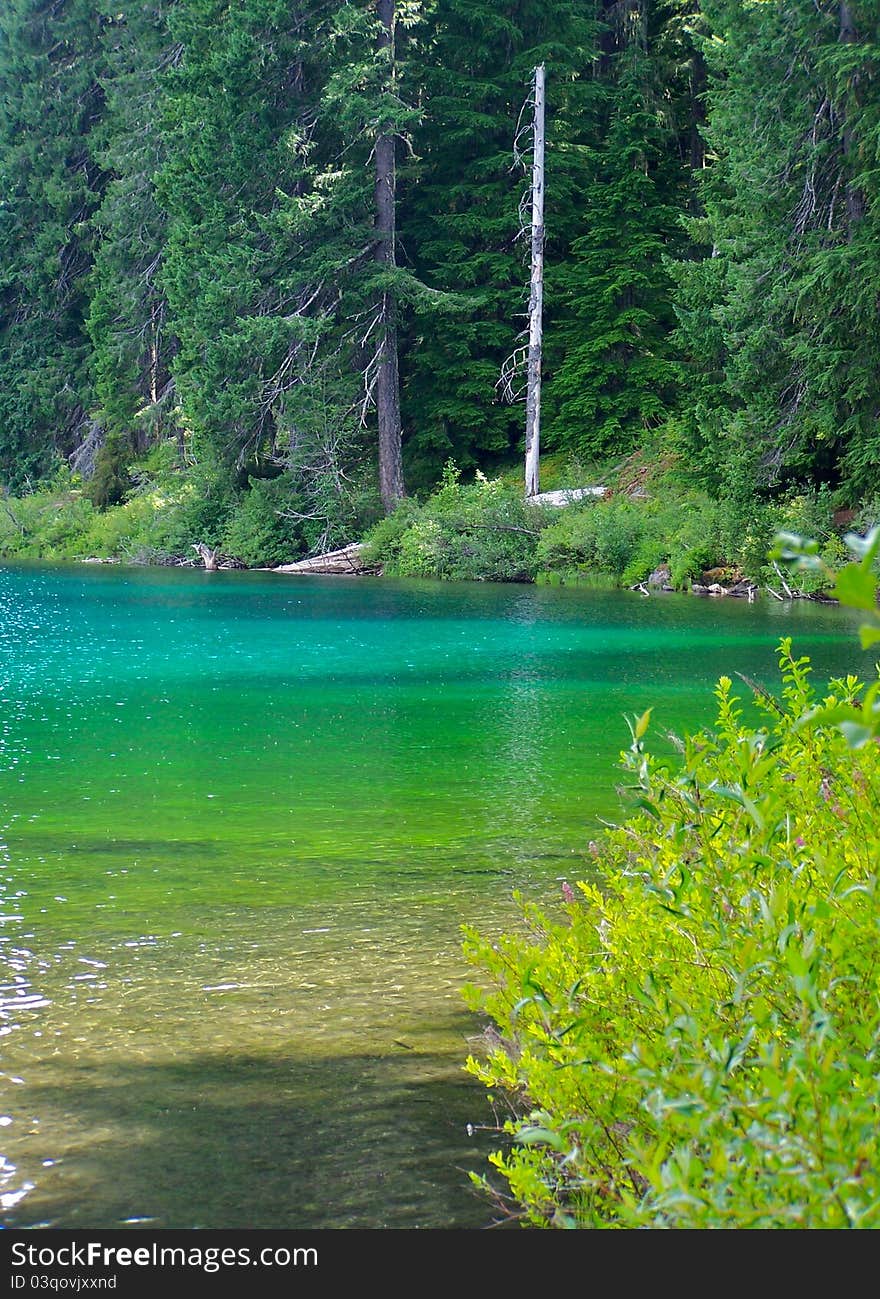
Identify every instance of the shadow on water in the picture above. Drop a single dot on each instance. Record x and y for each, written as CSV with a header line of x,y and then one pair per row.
x,y
238,1141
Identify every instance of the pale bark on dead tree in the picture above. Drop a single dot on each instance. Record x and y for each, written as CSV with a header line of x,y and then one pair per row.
x,y
208,555
536,297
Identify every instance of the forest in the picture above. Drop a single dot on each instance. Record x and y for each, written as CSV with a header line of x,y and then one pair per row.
x,y
265,267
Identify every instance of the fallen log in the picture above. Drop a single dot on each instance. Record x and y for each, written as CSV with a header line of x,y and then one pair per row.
x,y
566,495
347,560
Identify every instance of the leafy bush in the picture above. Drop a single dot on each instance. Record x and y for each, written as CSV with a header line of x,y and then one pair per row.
x,y
630,537
479,531
600,535
747,528
122,530
49,522
265,526
693,1042
383,541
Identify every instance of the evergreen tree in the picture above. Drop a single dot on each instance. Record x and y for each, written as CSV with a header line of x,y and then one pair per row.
x,y
230,109
281,277
51,99
130,345
778,320
616,376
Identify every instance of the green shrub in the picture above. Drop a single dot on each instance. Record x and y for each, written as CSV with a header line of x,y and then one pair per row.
x,y
481,531
572,539
693,1042
110,482
747,529
651,552
383,541
48,523
121,530
265,527
631,537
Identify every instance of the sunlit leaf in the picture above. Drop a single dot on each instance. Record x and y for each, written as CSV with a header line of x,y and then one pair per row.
x,y
540,1137
642,723
857,587
857,734
865,547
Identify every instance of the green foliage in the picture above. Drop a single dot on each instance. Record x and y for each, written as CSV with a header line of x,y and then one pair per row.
x,y
265,527
485,530
605,536
748,527
617,82
854,584
109,481
631,537
692,1042
126,321
189,251
482,530
612,371
459,214
51,100
50,522
777,295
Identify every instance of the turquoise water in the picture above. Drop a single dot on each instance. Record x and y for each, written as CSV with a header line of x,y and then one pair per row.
x,y
244,816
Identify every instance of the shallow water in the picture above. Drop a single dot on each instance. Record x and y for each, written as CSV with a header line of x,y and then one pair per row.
x,y
244,817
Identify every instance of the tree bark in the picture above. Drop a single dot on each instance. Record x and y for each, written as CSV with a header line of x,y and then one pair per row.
x,y
855,196
536,298
208,556
391,484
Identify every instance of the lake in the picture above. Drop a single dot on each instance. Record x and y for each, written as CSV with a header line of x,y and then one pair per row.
x,y
244,816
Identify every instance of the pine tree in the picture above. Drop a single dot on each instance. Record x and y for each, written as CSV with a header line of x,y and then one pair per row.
x,y
131,348
777,321
51,99
616,376
229,109
281,277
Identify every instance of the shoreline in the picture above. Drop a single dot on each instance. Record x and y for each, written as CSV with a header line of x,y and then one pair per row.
x,y
341,565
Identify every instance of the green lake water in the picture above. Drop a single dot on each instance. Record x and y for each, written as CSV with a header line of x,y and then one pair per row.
x,y
243,819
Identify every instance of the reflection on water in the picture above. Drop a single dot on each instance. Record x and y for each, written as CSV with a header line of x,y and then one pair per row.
x,y
244,818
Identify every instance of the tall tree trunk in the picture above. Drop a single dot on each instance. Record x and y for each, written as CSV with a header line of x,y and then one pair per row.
x,y
855,197
697,145
536,298
391,485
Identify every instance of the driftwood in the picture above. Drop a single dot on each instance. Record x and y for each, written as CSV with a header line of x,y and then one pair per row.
x,y
348,560
566,495
213,560
208,556
786,588
743,590
816,596
151,558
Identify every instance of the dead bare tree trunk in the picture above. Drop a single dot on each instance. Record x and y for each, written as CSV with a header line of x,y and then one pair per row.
x,y
536,297
208,556
391,485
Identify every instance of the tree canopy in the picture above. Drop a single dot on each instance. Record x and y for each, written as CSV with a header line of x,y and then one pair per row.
x,y
195,253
